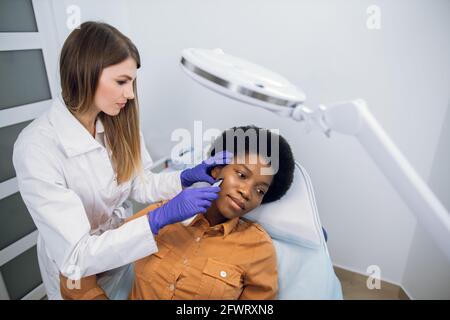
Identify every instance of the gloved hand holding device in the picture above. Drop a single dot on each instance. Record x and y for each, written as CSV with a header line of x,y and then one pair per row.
x,y
186,204
202,171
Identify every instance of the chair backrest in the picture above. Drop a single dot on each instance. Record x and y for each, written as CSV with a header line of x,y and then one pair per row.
x,y
305,270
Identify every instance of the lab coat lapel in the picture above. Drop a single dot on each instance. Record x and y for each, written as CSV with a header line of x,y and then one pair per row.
x,y
74,138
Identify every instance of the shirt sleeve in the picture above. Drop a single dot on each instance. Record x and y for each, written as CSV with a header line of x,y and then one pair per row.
x,y
59,215
261,277
84,289
151,187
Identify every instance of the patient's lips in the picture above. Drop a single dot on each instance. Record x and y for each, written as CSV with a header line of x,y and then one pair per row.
x,y
236,203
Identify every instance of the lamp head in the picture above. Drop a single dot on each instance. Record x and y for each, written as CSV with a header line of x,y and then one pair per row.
x,y
241,80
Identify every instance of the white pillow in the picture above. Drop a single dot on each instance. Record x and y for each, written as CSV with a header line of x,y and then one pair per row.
x,y
293,218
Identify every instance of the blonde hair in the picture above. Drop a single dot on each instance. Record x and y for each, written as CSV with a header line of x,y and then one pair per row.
x,y
85,53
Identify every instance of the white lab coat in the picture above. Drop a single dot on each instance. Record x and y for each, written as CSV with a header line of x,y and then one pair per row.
x,y
67,182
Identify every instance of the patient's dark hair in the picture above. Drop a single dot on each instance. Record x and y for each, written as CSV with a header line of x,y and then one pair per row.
x,y
283,178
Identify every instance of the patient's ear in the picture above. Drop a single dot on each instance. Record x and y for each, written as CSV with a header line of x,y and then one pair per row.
x,y
216,172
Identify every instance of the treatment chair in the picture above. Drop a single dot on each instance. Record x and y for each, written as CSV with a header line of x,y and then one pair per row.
x,y
304,266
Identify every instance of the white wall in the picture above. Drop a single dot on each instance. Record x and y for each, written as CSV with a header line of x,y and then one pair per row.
x,y
324,47
114,12
425,259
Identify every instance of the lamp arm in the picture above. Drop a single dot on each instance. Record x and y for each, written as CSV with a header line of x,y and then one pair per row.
x,y
354,118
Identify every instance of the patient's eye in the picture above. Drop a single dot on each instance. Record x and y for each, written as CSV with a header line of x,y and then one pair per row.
x,y
261,192
240,174
121,82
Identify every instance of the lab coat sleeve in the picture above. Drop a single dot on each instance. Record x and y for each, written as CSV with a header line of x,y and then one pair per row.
x,y
63,225
88,288
151,187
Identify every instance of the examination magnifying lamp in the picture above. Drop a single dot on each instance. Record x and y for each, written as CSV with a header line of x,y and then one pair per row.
x,y
255,85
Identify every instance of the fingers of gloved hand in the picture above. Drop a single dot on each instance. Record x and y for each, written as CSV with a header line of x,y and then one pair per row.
x,y
203,176
205,204
211,196
201,210
204,190
222,157
207,189
197,193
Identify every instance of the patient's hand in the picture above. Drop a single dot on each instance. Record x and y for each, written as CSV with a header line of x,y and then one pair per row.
x,y
84,289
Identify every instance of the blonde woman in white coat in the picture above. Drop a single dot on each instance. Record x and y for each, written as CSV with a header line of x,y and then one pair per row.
x,y
78,163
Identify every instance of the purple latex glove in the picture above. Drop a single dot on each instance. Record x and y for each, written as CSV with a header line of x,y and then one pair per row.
x,y
184,205
201,172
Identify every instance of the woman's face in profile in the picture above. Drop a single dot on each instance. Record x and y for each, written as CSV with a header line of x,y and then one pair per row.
x,y
243,186
115,87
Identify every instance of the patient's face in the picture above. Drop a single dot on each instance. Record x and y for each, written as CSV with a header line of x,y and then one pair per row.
x,y
243,186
